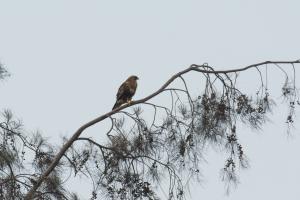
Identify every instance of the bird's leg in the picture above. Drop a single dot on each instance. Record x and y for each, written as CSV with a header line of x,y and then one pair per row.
x,y
129,101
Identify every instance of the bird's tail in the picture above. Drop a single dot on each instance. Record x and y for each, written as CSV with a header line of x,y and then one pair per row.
x,y
117,104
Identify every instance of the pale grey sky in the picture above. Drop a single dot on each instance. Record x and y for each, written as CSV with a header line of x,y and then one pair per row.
x,y
68,57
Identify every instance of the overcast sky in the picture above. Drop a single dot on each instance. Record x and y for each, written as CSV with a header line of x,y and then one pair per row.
x,y
68,57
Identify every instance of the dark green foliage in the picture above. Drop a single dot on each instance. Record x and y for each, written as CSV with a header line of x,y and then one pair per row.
x,y
18,152
142,153
3,72
148,146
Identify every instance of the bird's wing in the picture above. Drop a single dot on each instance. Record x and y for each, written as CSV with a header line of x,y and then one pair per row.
x,y
123,89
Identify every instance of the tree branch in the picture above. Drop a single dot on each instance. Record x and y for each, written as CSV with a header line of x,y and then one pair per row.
x,y
205,69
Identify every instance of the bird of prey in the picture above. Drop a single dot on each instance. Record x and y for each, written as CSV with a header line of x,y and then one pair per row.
x,y
126,91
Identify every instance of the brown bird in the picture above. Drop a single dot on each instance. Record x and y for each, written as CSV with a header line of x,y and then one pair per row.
x,y
126,91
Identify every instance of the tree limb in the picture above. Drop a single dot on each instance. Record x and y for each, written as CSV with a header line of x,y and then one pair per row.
x,y
199,68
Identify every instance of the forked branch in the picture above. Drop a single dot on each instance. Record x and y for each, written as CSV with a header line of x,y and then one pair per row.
x,y
204,69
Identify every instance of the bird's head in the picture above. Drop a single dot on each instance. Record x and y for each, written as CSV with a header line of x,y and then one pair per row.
x,y
133,77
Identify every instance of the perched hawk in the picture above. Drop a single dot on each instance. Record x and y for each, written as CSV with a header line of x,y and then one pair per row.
x,y
126,91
